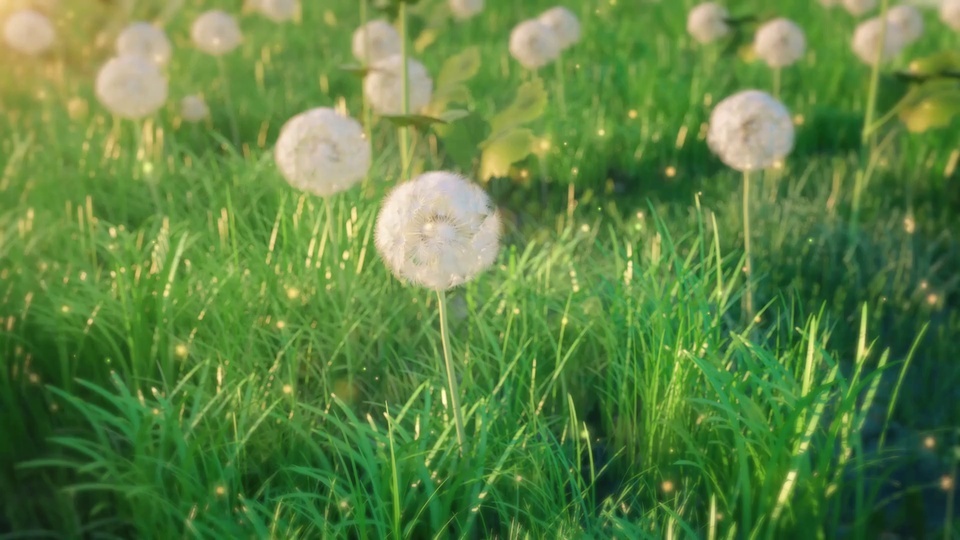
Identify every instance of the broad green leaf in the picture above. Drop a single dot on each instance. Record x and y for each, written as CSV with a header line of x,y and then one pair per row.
x,y
936,110
935,64
529,104
424,40
459,68
461,140
453,115
502,152
353,69
418,121
443,98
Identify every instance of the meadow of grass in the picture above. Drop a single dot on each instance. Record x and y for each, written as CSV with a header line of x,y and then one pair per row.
x,y
187,354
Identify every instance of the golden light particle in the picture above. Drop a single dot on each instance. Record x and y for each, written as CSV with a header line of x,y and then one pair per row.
x,y
929,442
575,170
287,389
946,482
281,325
909,225
671,171
181,351
933,299
64,309
544,145
220,491
667,486
601,132
632,114
798,120
524,173
293,293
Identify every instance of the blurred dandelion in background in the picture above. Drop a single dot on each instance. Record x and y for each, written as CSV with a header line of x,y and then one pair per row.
x,y
565,25
216,33
707,22
131,86
383,85
375,40
534,44
146,40
29,32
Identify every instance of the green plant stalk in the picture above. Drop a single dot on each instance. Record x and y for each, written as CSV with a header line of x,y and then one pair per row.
x,y
367,110
561,83
404,93
777,72
448,365
228,101
866,134
748,263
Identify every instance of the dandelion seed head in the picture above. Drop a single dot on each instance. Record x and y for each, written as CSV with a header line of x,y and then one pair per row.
x,y
534,44
465,9
866,42
438,230
193,108
384,89
564,24
750,130
950,14
905,22
374,41
707,22
859,8
147,40
780,43
131,86
216,33
29,32
322,152
278,11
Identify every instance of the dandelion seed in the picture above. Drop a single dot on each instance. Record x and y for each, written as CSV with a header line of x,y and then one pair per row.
x,y
439,230
905,22
866,42
858,8
131,86
750,130
29,32
384,89
374,41
780,43
322,152
465,9
950,14
147,40
193,108
707,22
534,44
216,33
564,24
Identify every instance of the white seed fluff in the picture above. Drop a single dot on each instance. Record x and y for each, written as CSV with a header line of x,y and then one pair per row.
x,y
131,86
564,24
707,22
193,108
534,44
216,32
829,3
374,41
147,40
278,10
780,43
750,130
465,9
323,152
859,8
905,22
950,13
29,32
867,43
384,89
439,230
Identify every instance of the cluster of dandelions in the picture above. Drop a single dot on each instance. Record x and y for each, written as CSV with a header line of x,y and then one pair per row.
x,y
880,39
708,22
534,43
377,45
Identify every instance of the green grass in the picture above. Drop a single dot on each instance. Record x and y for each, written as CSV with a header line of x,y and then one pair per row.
x,y
186,354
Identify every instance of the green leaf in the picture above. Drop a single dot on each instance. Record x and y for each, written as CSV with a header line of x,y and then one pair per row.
x,y
459,68
418,121
503,151
461,140
931,108
935,64
452,115
529,104
354,69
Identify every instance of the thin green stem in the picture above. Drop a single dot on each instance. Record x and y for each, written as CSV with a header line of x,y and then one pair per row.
x,y
867,135
228,101
777,72
404,93
448,364
367,110
560,84
748,262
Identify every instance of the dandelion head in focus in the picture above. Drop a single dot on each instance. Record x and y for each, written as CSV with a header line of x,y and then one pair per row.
x,y
322,152
29,32
278,11
750,130
780,43
859,8
147,40
905,22
867,46
465,9
131,86
564,24
439,230
534,44
375,41
216,32
193,108
707,22
384,89
950,14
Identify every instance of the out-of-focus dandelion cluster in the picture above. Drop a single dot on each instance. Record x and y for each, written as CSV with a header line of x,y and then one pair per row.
x,y
534,43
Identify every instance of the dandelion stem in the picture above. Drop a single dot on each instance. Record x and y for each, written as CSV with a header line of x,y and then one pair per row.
x,y
334,243
561,82
228,101
748,263
867,133
404,93
367,110
448,364
777,72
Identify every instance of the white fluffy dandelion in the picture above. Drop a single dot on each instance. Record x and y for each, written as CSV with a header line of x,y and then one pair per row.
x,y
867,44
750,130
193,108
384,90
147,40
950,13
278,10
29,32
859,8
216,32
374,41
707,22
465,9
323,152
905,22
439,230
564,24
131,86
534,44
780,43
